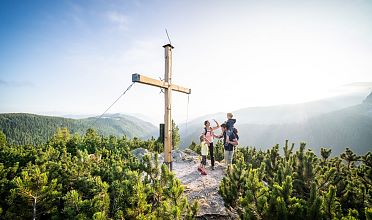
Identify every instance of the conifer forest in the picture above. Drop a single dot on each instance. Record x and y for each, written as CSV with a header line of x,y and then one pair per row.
x,y
298,184
91,176
88,177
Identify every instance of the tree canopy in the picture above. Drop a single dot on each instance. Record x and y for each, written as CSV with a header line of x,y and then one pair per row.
x,y
88,177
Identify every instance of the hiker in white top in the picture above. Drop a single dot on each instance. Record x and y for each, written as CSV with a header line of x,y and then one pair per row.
x,y
209,136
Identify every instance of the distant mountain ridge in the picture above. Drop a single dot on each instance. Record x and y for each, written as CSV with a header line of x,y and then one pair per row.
x,y
368,99
337,122
349,127
24,128
286,113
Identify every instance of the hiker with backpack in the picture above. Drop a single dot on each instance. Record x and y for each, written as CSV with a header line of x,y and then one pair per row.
x,y
229,142
209,136
229,125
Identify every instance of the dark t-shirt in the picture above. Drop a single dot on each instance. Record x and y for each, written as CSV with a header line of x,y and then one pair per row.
x,y
228,147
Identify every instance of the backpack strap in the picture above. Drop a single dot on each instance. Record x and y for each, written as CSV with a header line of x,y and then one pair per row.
x,y
236,136
235,131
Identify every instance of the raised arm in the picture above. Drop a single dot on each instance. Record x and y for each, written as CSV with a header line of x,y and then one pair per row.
x,y
217,125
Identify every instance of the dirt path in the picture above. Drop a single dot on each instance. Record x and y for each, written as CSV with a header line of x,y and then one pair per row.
x,y
203,188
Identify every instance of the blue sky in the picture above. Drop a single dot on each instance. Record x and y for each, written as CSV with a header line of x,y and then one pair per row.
x,y
77,57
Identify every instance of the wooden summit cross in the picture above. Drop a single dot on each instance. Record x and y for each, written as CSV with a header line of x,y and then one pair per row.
x,y
167,85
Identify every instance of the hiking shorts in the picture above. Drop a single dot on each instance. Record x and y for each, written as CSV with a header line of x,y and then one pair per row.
x,y
228,154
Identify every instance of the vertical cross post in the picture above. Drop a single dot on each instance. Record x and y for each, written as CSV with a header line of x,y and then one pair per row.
x,y
168,106
168,87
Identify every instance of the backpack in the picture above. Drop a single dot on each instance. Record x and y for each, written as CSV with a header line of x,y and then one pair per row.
x,y
236,133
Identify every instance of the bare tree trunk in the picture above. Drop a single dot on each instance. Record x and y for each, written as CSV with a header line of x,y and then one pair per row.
x,y
34,214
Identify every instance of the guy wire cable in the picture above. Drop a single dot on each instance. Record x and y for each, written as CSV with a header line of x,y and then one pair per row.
x,y
130,86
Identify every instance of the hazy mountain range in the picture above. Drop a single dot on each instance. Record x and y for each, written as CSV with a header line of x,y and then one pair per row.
x,y
337,122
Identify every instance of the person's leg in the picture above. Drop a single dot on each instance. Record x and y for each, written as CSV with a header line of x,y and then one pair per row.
x,y
225,156
232,155
229,157
211,153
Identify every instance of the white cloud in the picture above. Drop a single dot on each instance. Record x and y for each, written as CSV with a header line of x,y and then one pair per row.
x,y
119,19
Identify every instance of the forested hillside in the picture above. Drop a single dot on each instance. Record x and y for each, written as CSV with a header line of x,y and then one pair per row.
x,y
96,177
22,128
88,177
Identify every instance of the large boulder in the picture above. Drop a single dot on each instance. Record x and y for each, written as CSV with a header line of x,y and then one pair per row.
x,y
177,155
139,153
190,152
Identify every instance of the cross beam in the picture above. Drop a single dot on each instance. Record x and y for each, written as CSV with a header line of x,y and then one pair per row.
x,y
167,85
157,83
